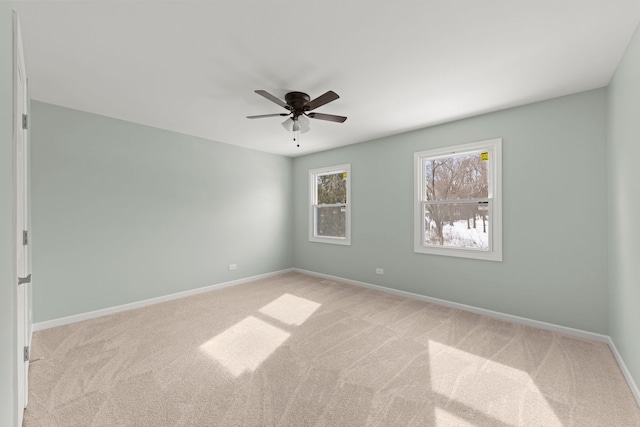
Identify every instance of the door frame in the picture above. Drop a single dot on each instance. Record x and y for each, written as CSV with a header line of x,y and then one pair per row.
x,y
21,218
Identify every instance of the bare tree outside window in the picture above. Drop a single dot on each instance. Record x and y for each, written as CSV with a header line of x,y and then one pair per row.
x,y
332,190
456,178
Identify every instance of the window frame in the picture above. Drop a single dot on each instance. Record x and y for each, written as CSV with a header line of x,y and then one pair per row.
x,y
313,195
494,199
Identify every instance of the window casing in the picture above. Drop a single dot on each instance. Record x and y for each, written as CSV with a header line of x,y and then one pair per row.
x,y
458,201
329,207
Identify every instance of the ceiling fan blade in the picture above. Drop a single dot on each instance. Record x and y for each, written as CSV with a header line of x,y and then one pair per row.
x,y
321,100
267,115
272,98
327,117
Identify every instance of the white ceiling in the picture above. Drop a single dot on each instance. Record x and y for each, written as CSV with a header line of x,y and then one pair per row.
x,y
192,66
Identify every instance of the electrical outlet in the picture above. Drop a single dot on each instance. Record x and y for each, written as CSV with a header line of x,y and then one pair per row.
x,y
379,271
232,266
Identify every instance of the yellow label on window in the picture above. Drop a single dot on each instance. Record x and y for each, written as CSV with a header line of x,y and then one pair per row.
x,y
344,175
484,156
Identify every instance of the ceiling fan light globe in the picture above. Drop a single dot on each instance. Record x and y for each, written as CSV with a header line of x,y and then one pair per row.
x,y
288,124
304,124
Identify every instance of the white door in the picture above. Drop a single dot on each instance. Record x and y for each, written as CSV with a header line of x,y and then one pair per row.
x,y
20,125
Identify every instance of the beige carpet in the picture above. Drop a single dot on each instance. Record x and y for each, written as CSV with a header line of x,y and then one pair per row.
x,y
295,350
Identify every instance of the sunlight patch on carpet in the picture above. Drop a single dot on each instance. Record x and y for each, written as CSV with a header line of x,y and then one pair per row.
x,y
245,345
290,309
498,391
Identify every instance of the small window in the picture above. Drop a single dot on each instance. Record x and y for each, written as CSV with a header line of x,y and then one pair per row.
x,y
330,212
458,206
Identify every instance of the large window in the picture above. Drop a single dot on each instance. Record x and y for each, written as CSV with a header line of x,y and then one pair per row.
x,y
329,212
458,206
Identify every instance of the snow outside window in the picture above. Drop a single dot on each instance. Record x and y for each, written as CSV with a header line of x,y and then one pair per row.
x,y
329,211
458,206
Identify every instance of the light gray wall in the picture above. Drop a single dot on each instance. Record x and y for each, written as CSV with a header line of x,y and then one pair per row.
x,y
8,416
624,203
555,218
124,212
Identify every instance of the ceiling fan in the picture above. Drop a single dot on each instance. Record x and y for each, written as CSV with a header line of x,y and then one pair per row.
x,y
300,108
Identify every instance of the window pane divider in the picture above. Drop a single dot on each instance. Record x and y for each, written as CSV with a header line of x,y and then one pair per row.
x,y
456,201
332,205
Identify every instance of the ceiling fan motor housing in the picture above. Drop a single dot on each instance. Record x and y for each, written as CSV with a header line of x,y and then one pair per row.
x,y
297,101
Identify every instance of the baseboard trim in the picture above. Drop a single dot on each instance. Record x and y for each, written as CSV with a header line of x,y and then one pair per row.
x,y
130,306
625,371
489,313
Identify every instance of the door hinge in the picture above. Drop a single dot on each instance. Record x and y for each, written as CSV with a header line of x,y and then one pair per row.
x,y
25,121
26,353
25,237
23,280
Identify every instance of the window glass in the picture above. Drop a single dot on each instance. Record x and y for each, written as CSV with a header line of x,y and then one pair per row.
x,y
332,188
456,177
